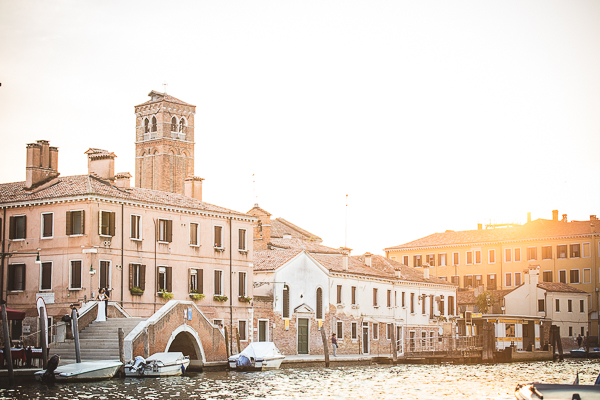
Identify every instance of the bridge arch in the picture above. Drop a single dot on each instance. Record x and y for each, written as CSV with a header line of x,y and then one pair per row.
x,y
182,339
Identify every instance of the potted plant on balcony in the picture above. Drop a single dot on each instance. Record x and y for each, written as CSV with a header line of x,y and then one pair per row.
x,y
245,299
136,291
165,295
217,297
194,295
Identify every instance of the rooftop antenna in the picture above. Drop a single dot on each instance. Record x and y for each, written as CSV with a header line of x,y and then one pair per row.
x,y
165,85
346,229
254,190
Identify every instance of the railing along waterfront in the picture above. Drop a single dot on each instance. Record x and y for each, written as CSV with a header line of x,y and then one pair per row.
x,y
440,344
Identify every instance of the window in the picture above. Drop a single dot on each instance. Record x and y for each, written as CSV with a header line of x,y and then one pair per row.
x,y
517,279
451,305
218,282
164,279
242,284
286,301
196,280
569,305
468,281
492,256
403,297
242,330
375,297
570,331
478,281
469,257
441,307
557,305
182,125
165,230
575,250
135,229
242,240
46,276
477,256
146,125
395,298
455,258
106,223
340,330
153,124
218,236
75,274
561,251
194,234
353,294
574,276
541,305
508,279
546,252
517,257
375,331
319,303
47,225
412,303
581,306
532,253
18,227
562,276
586,250
455,279
75,222
547,276
442,259
431,260
389,298
16,277
491,281
423,340
509,330
587,275
507,255
431,306
422,299
405,260
173,124
137,276
389,331
354,331
417,262
339,294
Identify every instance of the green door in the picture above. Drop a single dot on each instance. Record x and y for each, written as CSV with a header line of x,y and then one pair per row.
x,y
302,336
262,331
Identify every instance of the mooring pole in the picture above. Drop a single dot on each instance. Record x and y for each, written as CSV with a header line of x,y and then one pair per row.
x,y
122,350
146,344
325,348
7,353
75,328
395,344
43,337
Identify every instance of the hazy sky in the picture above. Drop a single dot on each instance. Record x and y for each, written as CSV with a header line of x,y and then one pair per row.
x,y
429,115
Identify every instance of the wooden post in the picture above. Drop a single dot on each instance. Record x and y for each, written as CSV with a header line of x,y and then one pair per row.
x,y
325,347
7,353
394,344
75,328
237,336
121,334
558,342
227,342
146,344
487,355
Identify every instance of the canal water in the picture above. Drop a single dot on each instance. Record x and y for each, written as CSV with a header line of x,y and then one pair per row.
x,y
445,381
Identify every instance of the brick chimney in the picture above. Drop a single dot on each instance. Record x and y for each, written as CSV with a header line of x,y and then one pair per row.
x,y
123,180
346,255
193,187
368,259
479,227
101,164
425,272
564,218
262,228
42,163
555,215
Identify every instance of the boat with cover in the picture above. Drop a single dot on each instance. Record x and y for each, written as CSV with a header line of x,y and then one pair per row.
x,y
83,371
582,353
554,391
158,364
257,356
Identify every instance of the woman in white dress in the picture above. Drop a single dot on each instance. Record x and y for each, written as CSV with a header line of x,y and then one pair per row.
x,y
101,309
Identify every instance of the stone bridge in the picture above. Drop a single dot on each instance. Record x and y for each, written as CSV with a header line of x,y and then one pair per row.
x,y
177,326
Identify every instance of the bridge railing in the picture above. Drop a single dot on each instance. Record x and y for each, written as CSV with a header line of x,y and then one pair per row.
x,y
439,344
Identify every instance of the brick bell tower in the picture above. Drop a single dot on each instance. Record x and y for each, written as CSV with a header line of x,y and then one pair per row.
x,y
164,143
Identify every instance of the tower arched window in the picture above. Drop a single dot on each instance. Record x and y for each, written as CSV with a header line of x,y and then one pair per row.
x,y
153,124
182,125
173,124
319,303
286,301
146,125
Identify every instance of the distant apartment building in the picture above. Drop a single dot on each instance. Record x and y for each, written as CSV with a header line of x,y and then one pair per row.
x,y
95,231
497,258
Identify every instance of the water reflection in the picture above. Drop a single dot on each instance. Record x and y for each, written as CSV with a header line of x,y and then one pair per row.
x,y
383,382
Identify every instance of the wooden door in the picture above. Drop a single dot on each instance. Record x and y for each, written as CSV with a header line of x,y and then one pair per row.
x,y
302,336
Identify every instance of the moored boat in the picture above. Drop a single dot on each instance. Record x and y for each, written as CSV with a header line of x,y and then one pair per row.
x,y
257,356
87,370
554,391
158,364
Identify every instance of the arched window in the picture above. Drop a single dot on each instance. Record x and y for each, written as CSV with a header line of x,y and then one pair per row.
x,y
319,303
173,124
286,301
153,124
146,125
182,125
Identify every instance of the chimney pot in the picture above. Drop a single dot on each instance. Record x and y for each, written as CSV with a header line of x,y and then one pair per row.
x,y
555,215
479,227
564,218
193,187
528,217
42,163
368,259
101,164
425,272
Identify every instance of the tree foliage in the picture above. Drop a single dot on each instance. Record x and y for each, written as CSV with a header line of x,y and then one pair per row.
x,y
484,302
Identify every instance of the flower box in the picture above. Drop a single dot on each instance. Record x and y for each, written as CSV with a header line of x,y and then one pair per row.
x,y
220,298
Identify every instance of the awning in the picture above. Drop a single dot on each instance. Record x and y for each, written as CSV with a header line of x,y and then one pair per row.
x,y
13,314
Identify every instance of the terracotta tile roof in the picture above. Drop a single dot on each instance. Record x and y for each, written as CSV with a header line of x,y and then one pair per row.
x,y
269,260
164,97
538,229
334,263
280,226
407,273
85,185
295,243
559,287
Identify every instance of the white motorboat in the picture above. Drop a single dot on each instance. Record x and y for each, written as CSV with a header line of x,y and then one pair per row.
x,y
158,364
87,370
556,391
257,356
